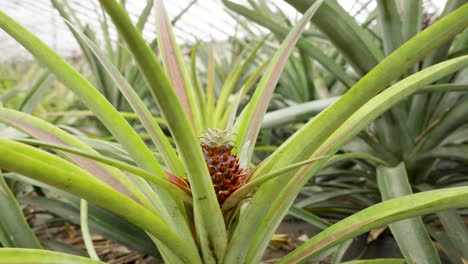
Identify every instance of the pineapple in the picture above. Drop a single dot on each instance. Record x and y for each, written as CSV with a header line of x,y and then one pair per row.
x,y
225,172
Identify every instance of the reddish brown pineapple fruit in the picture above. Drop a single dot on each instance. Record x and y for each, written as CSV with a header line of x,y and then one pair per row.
x,y
226,174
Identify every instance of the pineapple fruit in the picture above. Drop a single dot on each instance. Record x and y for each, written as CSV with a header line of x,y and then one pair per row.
x,y
226,174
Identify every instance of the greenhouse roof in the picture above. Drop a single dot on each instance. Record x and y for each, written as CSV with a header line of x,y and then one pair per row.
x,y
206,20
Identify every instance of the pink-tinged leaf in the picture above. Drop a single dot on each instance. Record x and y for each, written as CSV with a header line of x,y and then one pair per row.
x,y
175,67
378,215
169,182
176,179
210,226
154,130
249,125
210,90
29,125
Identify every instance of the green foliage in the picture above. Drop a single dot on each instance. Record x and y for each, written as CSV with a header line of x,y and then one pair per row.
x,y
373,119
395,137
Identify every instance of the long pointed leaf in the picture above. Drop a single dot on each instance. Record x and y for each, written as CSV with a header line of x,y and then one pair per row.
x,y
85,230
69,14
456,230
454,118
238,195
196,82
377,261
233,78
308,217
209,221
106,113
150,124
122,131
378,215
182,12
284,195
45,167
165,183
27,256
410,234
302,144
42,130
175,67
306,45
210,89
454,225
351,39
37,91
390,23
412,18
249,124
16,231
231,112
144,15
296,113
351,127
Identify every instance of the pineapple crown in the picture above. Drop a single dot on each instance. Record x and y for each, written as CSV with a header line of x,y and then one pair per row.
x,y
217,137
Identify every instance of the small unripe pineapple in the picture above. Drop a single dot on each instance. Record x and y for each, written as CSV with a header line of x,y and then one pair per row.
x,y
225,172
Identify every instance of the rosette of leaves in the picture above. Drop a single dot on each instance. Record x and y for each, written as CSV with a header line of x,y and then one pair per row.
x,y
188,225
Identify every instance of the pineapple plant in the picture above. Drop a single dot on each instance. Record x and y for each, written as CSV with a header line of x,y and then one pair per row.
x,y
223,165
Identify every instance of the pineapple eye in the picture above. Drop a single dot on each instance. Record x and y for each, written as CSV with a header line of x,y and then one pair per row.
x,y
215,160
218,176
222,167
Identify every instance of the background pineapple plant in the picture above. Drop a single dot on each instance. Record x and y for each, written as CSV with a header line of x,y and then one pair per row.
x,y
389,154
